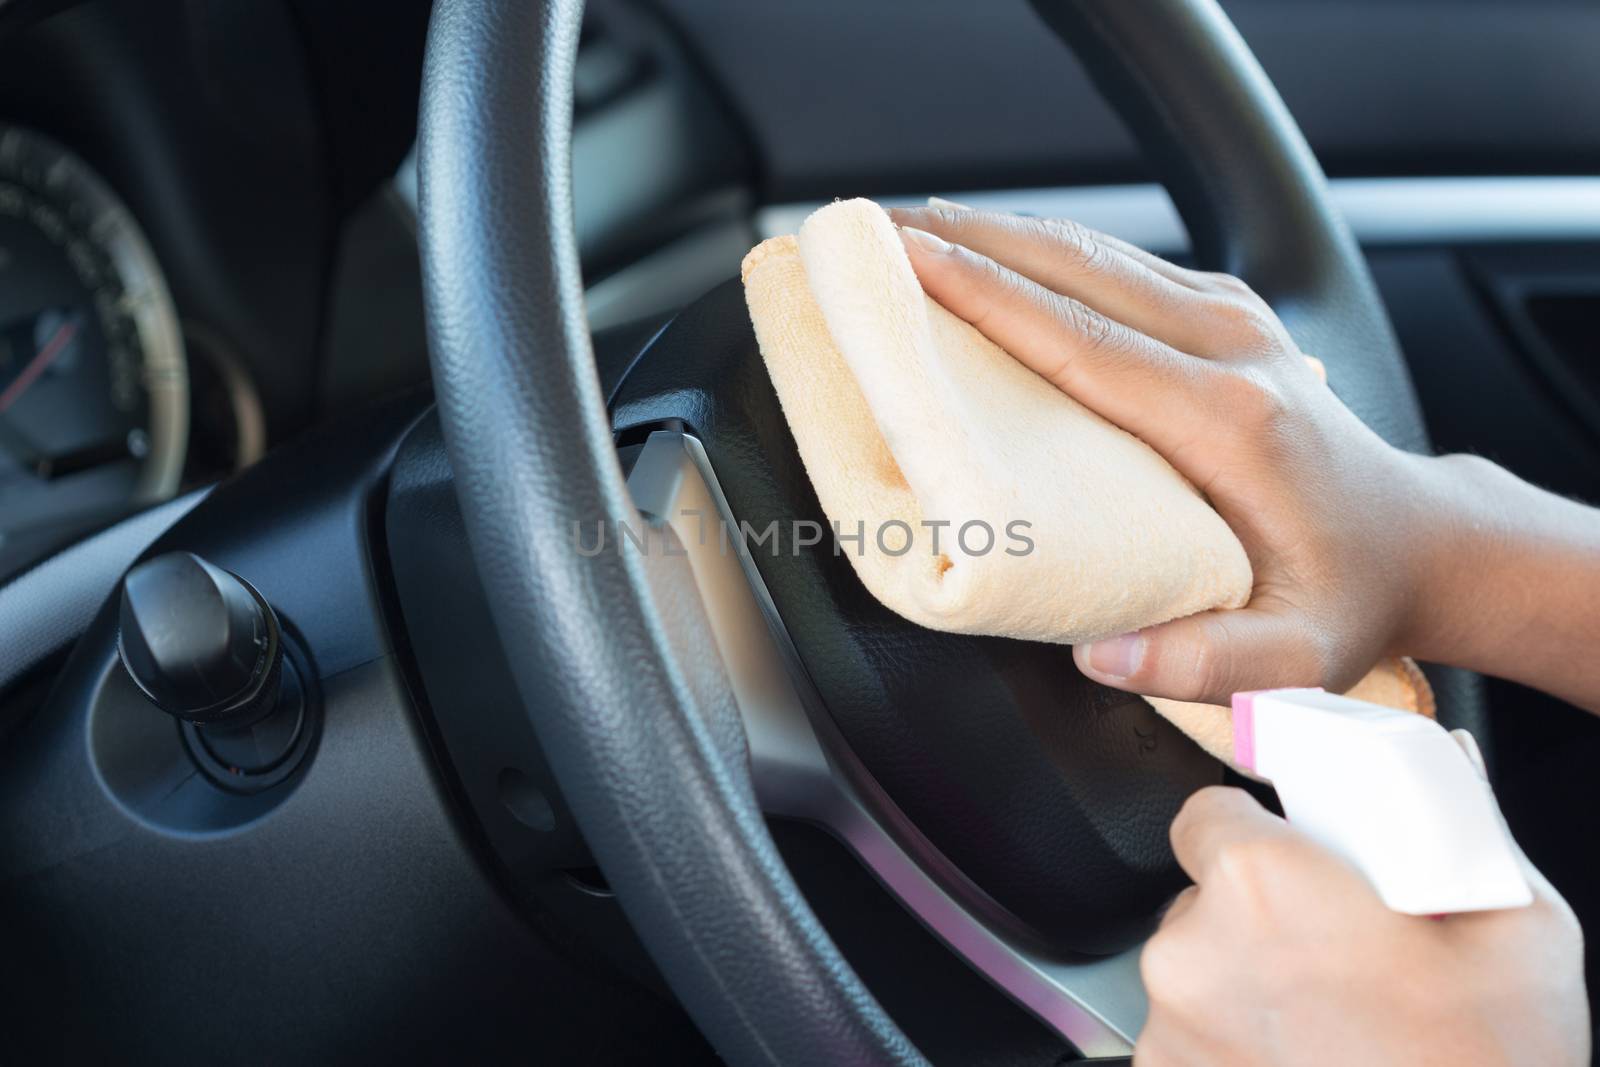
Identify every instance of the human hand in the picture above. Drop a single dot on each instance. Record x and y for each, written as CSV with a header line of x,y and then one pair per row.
x,y
1335,521
1282,954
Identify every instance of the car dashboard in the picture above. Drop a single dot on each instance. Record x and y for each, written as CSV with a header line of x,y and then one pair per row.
x,y
208,246
207,211
197,261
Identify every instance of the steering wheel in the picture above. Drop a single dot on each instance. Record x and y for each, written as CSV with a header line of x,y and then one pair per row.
x,y
683,694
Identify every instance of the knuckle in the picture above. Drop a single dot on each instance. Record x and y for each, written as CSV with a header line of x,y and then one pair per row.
x,y
1098,331
1254,402
962,228
1251,868
1250,320
1250,324
1209,668
1000,286
1094,331
1077,242
993,275
949,220
1216,281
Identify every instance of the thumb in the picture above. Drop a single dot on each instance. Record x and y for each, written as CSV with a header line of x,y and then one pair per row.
x,y
1208,657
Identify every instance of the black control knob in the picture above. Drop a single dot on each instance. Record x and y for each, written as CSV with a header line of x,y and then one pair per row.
x,y
199,641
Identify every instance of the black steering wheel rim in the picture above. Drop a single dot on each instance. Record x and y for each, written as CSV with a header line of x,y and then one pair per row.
x,y
637,727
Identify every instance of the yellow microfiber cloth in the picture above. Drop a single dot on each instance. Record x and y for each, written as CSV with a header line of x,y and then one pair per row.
x,y
969,494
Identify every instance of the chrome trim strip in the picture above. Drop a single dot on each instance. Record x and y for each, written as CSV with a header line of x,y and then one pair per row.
x,y
1381,211
1097,1004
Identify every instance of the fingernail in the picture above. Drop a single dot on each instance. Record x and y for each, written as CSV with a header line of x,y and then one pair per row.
x,y
948,205
1117,657
924,240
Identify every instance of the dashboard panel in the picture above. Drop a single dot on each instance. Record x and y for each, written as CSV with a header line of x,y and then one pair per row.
x,y
843,98
222,168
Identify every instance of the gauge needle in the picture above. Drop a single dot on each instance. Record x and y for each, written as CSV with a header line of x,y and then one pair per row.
x,y
36,366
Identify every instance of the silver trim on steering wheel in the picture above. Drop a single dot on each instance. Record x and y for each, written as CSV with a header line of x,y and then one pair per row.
x,y
1096,1003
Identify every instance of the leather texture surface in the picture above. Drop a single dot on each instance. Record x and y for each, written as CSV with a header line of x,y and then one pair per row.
x,y
1256,204
651,764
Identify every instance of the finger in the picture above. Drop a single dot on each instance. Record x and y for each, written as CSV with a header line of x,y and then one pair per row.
x,y
1211,656
942,213
1217,822
1178,906
1225,840
1074,261
1132,380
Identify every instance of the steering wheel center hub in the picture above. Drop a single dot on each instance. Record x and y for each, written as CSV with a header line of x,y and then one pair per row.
x,y
1039,796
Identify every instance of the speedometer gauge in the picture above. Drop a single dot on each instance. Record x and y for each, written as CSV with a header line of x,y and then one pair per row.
x,y
94,395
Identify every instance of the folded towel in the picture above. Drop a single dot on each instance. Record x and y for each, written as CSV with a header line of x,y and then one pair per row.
x,y
969,494
906,414
1394,683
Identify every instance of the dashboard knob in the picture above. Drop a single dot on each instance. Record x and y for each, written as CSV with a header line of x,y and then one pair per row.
x,y
199,641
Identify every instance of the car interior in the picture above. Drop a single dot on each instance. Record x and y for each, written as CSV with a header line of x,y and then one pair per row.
x,y
332,321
